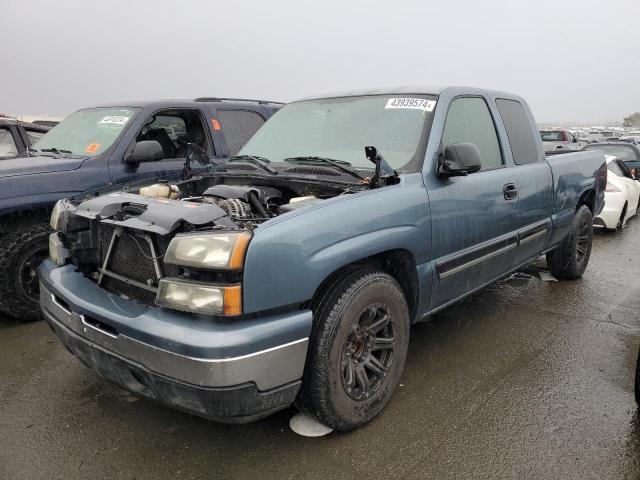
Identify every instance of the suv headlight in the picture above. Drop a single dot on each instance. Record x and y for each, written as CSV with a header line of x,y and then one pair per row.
x,y
199,297
220,250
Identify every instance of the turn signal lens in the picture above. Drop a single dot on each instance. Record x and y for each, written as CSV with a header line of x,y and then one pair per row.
x,y
198,297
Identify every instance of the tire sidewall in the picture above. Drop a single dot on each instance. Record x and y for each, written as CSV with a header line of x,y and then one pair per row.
x,y
343,406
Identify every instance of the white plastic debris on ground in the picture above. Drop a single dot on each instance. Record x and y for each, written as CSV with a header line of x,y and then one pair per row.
x,y
307,426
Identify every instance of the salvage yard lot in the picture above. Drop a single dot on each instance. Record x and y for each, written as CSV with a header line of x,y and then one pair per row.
x,y
526,379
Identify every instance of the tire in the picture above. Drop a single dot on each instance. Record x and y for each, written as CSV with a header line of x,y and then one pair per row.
x,y
361,327
570,259
21,252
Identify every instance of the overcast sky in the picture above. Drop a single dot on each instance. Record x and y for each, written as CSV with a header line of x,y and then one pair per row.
x,y
572,60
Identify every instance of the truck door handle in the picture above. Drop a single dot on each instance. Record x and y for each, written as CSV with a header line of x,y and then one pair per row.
x,y
510,191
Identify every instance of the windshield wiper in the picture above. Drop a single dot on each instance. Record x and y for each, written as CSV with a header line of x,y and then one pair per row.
x,y
258,161
55,150
339,164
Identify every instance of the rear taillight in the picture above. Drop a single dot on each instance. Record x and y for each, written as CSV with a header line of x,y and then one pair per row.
x,y
611,188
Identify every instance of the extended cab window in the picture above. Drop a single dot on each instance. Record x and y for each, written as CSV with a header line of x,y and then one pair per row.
x,y
469,121
238,127
7,144
520,131
173,129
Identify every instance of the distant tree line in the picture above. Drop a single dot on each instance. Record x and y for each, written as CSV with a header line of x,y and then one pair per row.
x,y
632,120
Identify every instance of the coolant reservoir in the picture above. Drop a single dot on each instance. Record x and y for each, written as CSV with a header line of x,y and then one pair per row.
x,y
160,190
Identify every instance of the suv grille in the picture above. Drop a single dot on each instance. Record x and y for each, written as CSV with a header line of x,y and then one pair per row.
x,y
131,268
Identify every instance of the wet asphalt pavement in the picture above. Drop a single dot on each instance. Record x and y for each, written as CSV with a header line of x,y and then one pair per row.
x,y
527,379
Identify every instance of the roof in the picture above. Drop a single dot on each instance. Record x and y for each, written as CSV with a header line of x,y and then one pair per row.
x,y
408,90
185,103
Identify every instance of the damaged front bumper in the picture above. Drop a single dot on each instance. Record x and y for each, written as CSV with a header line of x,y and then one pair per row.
x,y
233,371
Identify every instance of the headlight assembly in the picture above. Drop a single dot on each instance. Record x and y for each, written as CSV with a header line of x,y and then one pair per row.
x,y
199,297
220,250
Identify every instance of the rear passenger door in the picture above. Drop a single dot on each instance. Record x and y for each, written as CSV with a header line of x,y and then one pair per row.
x,y
533,177
473,218
238,126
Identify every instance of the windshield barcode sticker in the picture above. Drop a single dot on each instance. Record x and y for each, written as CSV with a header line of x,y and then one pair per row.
x,y
115,119
414,103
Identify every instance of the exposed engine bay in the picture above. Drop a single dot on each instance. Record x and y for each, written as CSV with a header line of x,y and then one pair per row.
x,y
209,201
119,239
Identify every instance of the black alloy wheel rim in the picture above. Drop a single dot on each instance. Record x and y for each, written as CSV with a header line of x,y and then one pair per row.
x,y
367,354
582,247
28,272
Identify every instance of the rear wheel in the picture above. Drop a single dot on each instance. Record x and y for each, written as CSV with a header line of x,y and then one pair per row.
x,y
570,259
357,350
21,252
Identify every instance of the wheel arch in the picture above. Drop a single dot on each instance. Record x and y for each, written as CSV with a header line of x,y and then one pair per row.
x,y
588,198
399,263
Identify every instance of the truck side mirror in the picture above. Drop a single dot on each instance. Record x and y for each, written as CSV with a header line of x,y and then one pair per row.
x,y
146,151
459,159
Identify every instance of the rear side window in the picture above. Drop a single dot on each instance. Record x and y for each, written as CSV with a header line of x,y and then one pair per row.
x,y
520,132
238,127
469,121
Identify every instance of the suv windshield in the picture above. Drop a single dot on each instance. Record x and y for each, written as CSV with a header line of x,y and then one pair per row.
x,y
86,132
340,128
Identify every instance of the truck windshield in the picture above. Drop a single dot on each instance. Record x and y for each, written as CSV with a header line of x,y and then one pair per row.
x,y
86,132
340,128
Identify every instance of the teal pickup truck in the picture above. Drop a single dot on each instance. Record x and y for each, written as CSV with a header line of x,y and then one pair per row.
x,y
292,272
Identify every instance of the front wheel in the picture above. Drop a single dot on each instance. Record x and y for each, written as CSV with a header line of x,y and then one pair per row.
x,y
357,350
569,260
21,252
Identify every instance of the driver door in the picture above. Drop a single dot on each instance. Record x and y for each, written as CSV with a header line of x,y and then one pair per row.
x,y
474,217
171,129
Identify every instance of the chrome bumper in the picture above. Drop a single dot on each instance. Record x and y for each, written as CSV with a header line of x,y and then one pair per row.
x,y
267,369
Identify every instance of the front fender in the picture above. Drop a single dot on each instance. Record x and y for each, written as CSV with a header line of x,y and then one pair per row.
x,y
290,257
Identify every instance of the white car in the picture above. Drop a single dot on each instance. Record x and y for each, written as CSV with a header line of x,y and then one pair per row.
x,y
621,197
